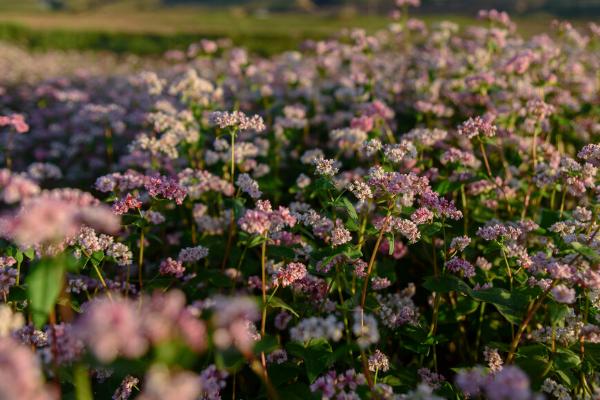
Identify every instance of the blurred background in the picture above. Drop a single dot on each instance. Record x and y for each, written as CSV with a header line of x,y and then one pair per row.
x,y
150,27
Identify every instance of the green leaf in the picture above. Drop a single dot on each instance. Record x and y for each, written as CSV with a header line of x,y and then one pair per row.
x,y
83,386
558,312
351,225
297,391
568,378
586,251
566,359
350,209
391,243
29,253
317,356
43,287
282,374
430,229
443,187
281,252
316,359
512,305
549,217
265,345
255,241
19,256
97,257
446,283
276,302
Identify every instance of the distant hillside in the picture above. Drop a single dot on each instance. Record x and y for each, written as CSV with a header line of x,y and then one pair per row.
x,y
559,7
566,8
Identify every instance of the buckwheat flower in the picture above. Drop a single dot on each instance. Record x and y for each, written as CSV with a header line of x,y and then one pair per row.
x,y
471,381
458,265
20,373
326,167
168,188
342,386
400,249
172,267
310,156
290,274
303,181
493,359
8,278
499,17
475,127
378,362
16,187
349,139
9,321
125,389
255,222
421,216
40,171
508,384
582,214
430,378
361,190
460,243
91,242
125,204
197,182
212,381
590,333
380,283
563,294
165,318
442,206
64,347
237,120
102,374
365,329
278,356
364,123
233,322
317,328
192,254
465,158
407,3
591,154
111,328
281,218
249,186
401,152
371,147
162,384
31,337
46,220
154,217
555,389
407,228
497,231
16,121
339,234
485,286
120,253
378,108
360,268
539,108
282,320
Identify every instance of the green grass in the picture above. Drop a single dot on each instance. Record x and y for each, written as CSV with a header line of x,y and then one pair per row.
x,y
123,27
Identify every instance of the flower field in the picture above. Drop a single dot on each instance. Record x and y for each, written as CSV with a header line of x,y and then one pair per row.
x,y
409,214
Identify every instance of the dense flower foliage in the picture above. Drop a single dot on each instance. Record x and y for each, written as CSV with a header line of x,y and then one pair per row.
x,y
411,214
